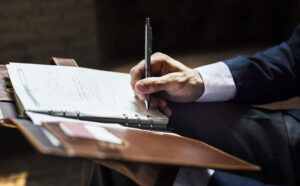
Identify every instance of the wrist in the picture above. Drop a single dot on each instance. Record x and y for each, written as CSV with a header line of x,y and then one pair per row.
x,y
199,84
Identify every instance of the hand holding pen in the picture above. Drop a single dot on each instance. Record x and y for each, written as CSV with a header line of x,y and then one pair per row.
x,y
171,80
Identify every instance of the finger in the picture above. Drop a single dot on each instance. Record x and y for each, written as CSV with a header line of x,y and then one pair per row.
x,y
161,65
166,110
164,107
154,101
157,101
138,71
155,84
161,104
164,64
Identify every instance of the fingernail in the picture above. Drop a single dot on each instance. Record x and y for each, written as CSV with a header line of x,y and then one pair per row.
x,y
153,104
168,112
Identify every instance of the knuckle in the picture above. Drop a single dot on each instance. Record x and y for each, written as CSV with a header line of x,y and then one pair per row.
x,y
135,71
173,76
132,69
157,54
179,82
153,86
158,86
178,86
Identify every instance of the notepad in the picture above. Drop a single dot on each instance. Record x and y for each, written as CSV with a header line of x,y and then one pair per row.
x,y
83,93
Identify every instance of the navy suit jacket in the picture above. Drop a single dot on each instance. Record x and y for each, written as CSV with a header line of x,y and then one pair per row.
x,y
268,76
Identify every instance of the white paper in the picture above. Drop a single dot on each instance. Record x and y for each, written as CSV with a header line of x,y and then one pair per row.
x,y
91,93
38,118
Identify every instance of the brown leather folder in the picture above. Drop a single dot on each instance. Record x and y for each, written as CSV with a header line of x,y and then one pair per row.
x,y
141,146
149,147
5,87
143,156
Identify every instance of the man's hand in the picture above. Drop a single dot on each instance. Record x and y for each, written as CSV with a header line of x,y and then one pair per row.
x,y
171,80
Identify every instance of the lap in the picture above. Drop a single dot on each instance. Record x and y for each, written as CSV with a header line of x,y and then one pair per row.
x,y
256,135
21,163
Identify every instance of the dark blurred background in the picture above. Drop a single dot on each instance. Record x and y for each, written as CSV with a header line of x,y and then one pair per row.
x,y
110,34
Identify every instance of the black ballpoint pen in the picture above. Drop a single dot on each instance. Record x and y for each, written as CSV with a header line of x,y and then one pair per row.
x,y
148,50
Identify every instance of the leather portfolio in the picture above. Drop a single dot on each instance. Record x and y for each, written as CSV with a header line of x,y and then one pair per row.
x,y
141,146
142,156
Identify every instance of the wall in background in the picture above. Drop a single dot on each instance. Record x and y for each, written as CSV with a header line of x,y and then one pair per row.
x,y
35,30
192,25
99,33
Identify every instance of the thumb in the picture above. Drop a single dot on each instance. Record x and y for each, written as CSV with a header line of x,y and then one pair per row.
x,y
154,84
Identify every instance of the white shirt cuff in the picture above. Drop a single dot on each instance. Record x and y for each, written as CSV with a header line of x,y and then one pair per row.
x,y
218,83
191,176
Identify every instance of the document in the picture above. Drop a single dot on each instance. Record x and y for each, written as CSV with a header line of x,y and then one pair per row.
x,y
80,93
38,119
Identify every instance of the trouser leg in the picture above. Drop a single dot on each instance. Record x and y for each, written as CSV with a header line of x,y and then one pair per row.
x,y
293,131
91,175
255,135
97,175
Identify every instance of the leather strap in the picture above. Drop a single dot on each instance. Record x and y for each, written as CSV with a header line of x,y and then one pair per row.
x,y
5,85
63,61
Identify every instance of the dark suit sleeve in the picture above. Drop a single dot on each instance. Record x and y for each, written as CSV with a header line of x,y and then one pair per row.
x,y
268,76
